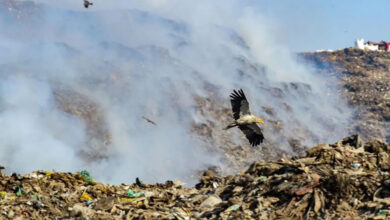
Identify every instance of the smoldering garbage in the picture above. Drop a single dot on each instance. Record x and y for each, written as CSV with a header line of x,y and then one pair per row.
x,y
326,183
363,77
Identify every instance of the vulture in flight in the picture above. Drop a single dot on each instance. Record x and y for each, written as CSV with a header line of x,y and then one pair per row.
x,y
244,119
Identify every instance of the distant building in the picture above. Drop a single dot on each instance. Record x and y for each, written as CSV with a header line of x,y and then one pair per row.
x,y
373,46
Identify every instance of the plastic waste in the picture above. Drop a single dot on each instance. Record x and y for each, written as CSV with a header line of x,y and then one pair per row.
x,y
131,194
86,196
381,212
356,165
18,191
128,199
3,194
87,176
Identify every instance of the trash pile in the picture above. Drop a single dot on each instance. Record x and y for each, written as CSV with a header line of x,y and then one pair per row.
x,y
99,138
364,79
348,179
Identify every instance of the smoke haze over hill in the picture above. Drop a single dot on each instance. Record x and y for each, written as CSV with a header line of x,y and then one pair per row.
x,y
146,58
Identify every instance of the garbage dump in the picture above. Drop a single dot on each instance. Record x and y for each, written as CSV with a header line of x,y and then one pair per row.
x,y
347,179
363,78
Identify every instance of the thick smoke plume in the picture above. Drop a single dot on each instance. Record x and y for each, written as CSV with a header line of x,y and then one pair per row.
x,y
129,59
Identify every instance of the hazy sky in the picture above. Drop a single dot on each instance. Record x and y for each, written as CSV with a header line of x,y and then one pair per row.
x,y
308,25
304,25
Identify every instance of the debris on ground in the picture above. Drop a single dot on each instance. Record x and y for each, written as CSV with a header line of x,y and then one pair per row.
x,y
87,177
347,179
364,79
131,194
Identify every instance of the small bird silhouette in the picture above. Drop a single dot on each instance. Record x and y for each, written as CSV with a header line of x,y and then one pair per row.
x,y
148,120
87,3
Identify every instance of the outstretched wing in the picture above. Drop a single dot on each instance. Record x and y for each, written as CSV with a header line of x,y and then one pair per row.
x,y
240,105
253,133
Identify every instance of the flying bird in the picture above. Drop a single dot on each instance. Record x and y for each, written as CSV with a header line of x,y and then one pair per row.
x,y
244,119
148,120
87,3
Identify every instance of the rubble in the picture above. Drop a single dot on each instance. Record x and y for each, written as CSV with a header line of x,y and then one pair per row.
x,y
347,179
363,78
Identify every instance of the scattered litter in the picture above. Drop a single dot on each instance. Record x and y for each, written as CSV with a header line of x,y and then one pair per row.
x,y
36,197
131,194
86,196
18,191
139,182
234,207
381,212
47,173
261,179
86,176
211,201
356,165
3,194
128,199
313,187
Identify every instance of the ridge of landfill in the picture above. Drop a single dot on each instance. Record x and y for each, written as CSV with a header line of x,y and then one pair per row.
x,y
364,79
348,179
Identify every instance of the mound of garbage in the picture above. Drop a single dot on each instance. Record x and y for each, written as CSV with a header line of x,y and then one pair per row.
x,y
343,180
364,79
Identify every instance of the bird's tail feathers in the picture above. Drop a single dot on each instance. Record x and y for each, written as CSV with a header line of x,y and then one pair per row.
x,y
231,125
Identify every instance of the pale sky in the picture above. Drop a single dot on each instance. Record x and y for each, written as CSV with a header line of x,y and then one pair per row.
x,y
304,25
308,25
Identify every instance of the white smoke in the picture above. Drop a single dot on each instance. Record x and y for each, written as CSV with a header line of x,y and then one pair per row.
x,y
31,135
144,58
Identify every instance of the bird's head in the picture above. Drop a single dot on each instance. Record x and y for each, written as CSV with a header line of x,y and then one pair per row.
x,y
259,120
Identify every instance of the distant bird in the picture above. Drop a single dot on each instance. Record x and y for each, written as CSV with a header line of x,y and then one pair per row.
x,y
87,3
139,182
244,119
148,120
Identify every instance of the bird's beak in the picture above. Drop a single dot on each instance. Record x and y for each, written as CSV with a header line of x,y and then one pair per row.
x,y
260,121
